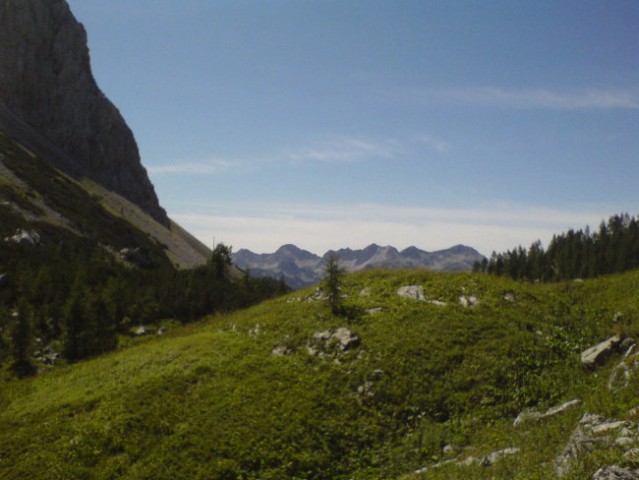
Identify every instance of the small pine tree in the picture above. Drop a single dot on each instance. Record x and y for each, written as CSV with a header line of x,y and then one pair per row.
x,y
20,343
333,275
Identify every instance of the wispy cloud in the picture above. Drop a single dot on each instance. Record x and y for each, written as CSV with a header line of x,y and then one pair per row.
x,y
541,98
431,141
341,150
322,227
197,168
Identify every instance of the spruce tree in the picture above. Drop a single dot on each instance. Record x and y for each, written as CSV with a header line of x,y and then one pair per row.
x,y
333,275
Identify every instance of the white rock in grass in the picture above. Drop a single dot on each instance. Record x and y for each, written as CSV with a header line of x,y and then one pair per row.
x,y
415,292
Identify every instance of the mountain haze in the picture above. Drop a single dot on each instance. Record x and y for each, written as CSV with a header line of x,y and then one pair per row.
x,y
301,268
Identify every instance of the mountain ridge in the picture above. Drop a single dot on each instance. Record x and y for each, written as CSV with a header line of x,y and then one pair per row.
x,y
301,268
50,101
67,157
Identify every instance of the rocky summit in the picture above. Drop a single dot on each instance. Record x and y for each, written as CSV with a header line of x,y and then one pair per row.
x,y
50,101
300,268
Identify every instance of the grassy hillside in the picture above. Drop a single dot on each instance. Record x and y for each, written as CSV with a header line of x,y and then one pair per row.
x,y
271,393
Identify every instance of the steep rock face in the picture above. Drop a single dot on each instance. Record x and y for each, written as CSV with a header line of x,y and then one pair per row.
x,y
46,83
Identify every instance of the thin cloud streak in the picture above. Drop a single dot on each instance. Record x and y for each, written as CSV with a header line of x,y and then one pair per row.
x,y
584,99
197,168
342,150
319,228
438,144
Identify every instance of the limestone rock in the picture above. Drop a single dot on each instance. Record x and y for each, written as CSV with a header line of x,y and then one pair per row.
x,y
528,415
622,373
599,353
594,432
468,301
345,339
414,292
24,237
47,91
614,472
338,341
281,351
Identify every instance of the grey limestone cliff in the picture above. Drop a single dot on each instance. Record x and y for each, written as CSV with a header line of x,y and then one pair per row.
x,y
49,96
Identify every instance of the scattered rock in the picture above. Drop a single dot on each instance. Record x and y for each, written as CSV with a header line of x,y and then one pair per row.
x,y
485,461
414,292
626,345
318,296
448,450
561,408
374,310
47,355
438,303
622,372
592,432
615,472
345,339
3,277
365,292
281,350
137,256
366,390
528,415
509,297
599,353
24,237
327,341
468,301
141,330
494,457
491,458
255,331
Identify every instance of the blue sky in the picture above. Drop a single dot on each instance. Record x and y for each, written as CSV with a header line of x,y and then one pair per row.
x,y
334,124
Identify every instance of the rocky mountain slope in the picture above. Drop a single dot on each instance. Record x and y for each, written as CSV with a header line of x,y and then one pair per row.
x,y
67,158
50,101
301,268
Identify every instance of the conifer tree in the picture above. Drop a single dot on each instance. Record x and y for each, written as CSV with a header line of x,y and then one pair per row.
x,y
333,275
20,341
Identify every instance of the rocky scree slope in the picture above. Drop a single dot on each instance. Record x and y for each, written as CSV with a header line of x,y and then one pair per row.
x,y
50,101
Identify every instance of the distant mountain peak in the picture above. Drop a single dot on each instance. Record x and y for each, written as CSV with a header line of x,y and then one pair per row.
x,y
301,268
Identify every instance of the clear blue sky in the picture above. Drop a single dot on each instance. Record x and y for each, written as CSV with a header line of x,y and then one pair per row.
x,y
335,124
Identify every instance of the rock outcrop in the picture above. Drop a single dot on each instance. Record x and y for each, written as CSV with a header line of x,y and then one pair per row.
x,y
599,353
596,432
47,90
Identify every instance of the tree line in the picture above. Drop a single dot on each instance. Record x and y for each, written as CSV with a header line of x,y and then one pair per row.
x,y
79,300
613,248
